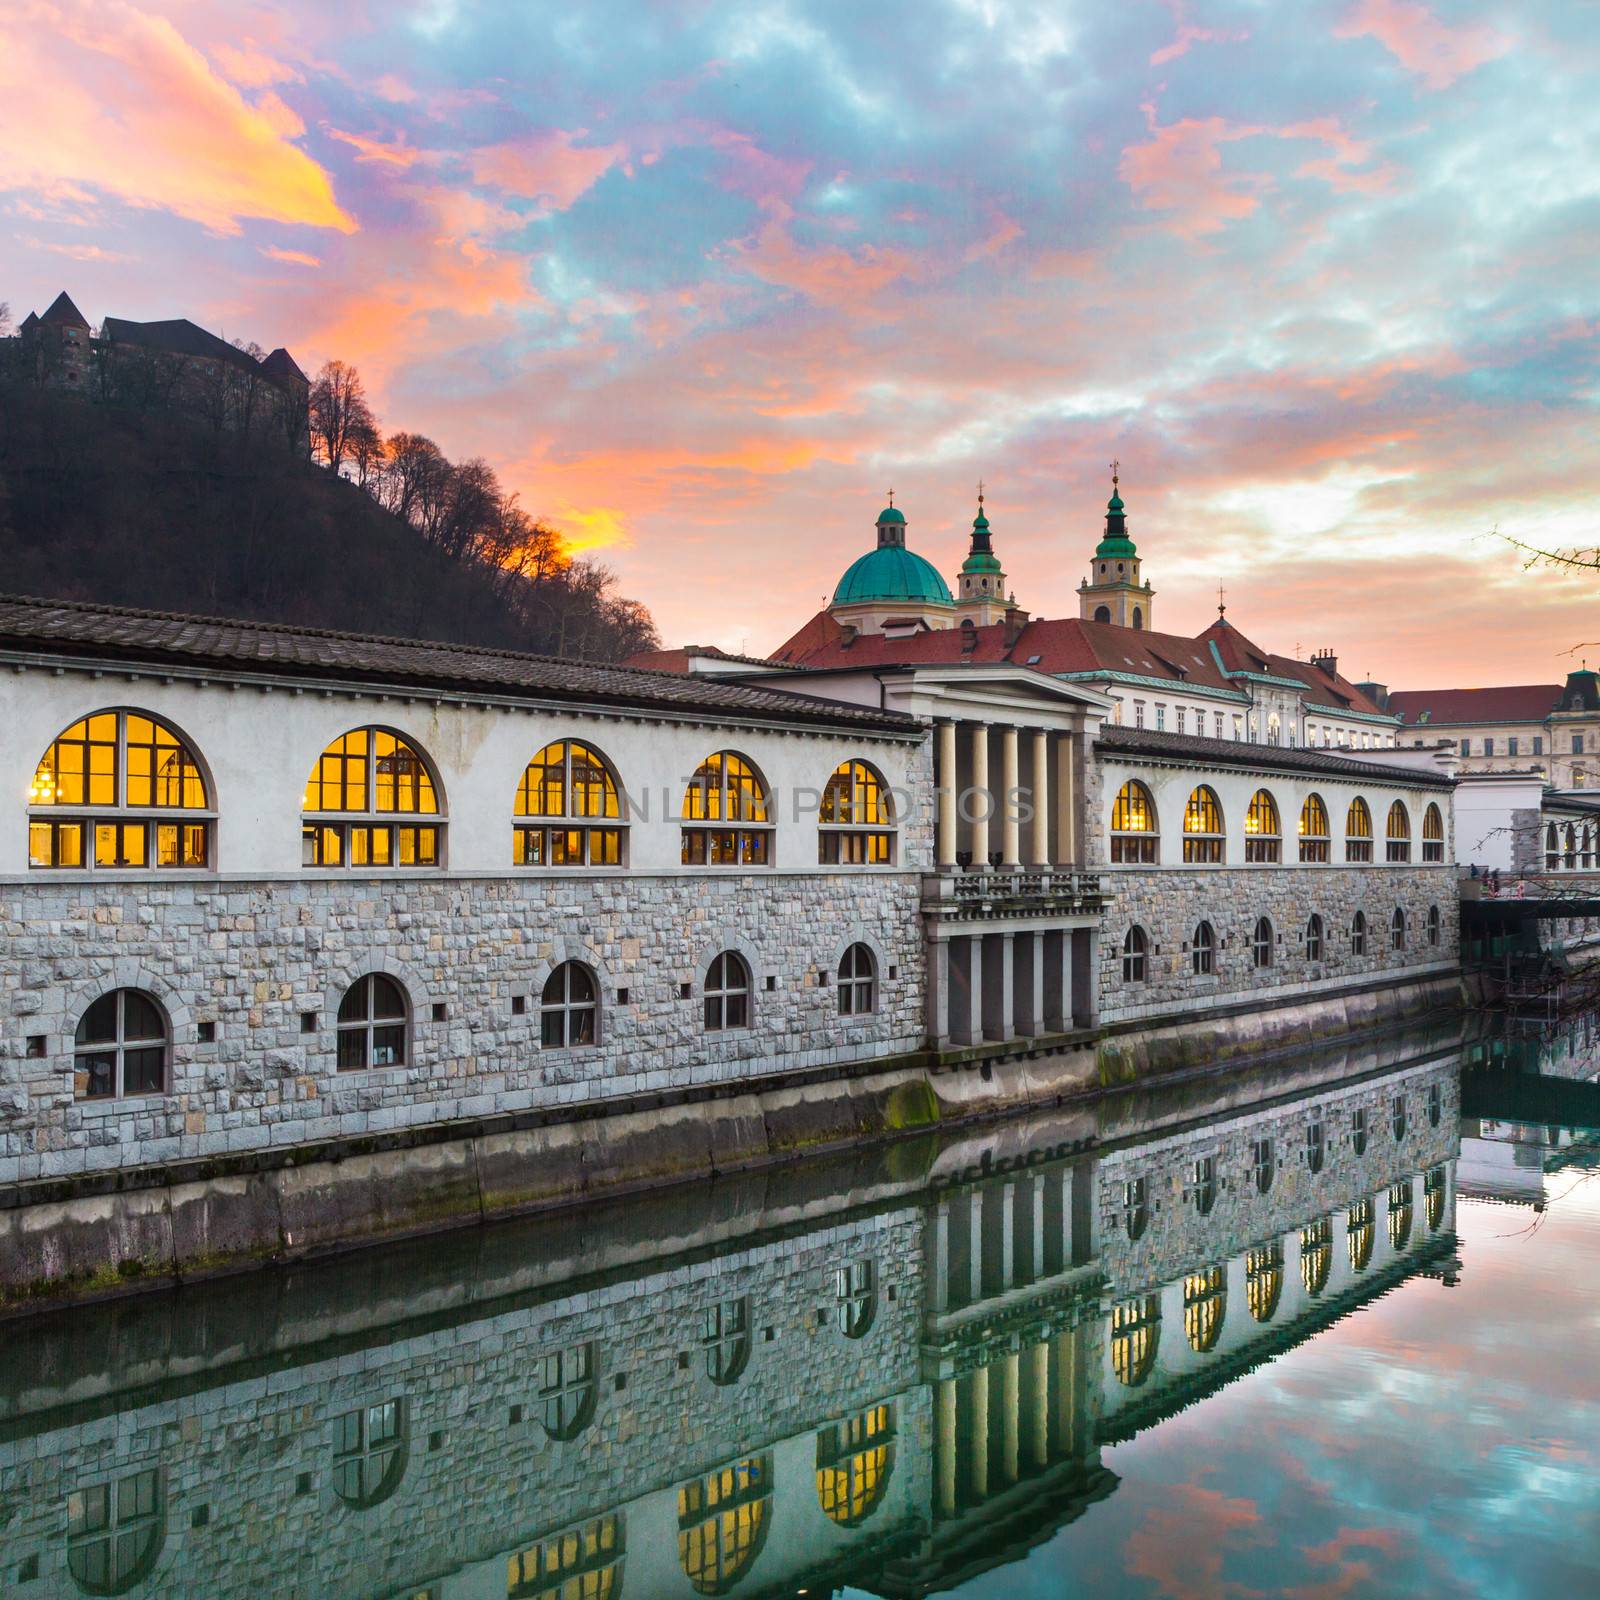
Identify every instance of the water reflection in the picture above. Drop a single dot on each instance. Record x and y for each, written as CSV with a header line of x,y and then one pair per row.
x,y
894,1371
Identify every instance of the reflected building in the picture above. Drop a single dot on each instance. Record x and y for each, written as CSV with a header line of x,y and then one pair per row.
x,y
892,1371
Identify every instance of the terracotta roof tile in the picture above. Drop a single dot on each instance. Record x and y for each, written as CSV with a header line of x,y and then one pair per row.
x,y
1147,742
1528,702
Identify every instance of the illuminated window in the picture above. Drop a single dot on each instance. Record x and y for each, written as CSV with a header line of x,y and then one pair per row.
x,y
1433,1191
855,1293
584,1563
1204,838
1314,830
1314,937
1398,832
1316,1255
858,982
1569,858
1203,1184
1263,1164
567,1391
364,803
725,1339
140,788
1432,834
373,1025
1205,1306
726,790
1358,831
369,1453
1400,1213
570,796
1261,943
1134,948
569,1007
1358,934
1203,950
856,822
120,1047
1263,839
722,1523
1315,1146
1358,1130
1359,1235
854,1460
115,1531
727,993
1397,929
1135,1336
1263,1280
1135,1207
1133,824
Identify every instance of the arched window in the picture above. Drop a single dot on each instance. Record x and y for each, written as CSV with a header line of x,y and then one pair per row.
x,y
1261,942
1205,1307
1397,929
1314,831
373,1024
1358,831
369,1453
139,788
1358,1130
1435,924
1134,837
1358,934
1263,840
1134,946
570,798
1203,950
1399,832
1433,1197
855,1292
115,1531
854,1460
1432,834
1138,616
584,1561
1316,1146
1359,1235
722,1523
725,1339
120,1047
1397,1117
1569,855
1552,847
1263,1164
1316,1255
727,993
858,982
1102,613
1314,937
1135,1336
569,1008
1435,1104
567,1391
728,793
856,822
1263,1280
1204,838
365,803
1400,1214
1203,1184
1135,1208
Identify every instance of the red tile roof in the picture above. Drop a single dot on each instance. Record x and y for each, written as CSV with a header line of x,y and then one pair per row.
x,y
1526,702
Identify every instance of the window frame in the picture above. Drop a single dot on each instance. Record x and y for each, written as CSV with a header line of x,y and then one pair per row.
x,y
1263,947
1397,845
1315,937
371,1023
857,989
1204,845
104,1531
1203,950
1135,955
717,992
566,1012
719,835
1432,833
1358,933
1358,830
343,827
855,1287
1131,846
118,1046
1263,828
535,834
395,1450
848,840
567,1402
1398,929
1315,846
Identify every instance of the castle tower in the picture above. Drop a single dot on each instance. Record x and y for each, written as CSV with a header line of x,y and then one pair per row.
x,y
1113,592
981,585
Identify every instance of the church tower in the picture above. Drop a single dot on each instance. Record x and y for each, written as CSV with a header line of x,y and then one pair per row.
x,y
1113,592
981,586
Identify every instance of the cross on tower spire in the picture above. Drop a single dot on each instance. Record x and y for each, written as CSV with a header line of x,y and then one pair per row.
x,y
1115,467
1222,607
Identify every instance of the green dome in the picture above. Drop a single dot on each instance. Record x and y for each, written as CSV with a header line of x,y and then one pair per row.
x,y
983,558
891,572
889,514
1116,543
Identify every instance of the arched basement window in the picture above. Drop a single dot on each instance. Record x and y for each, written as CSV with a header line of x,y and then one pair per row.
x,y
1205,1307
569,1007
1316,1255
1359,1235
1316,1146
568,809
1135,1208
727,793
858,982
1134,948
1203,949
1432,834
1358,831
1261,950
1263,1280
1358,1130
1263,1164
727,993
121,1047
1263,833
856,820
855,1291
115,1531
723,1520
371,801
1314,937
1435,924
1204,837
1134,838
725,1339
1314,831
567,1393
1397,929
139,788
1203,1183
1358,934
369,1453
1135,1337
584,1563
1398,832
374,1024
854,1460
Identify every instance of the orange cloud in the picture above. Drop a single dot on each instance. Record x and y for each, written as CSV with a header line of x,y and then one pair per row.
x,y
399,154
298,258
1436,53
115,98
546,167
251,68
831,276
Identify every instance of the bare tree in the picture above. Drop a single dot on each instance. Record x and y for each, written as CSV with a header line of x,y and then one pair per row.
x,y
339,410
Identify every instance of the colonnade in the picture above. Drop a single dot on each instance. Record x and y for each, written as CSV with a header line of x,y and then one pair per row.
x,y
1025,819
1002,984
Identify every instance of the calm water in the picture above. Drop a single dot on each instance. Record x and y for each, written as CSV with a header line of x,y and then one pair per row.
x,y
1326,1329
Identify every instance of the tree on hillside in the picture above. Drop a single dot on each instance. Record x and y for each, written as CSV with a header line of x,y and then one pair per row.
x,y
339,413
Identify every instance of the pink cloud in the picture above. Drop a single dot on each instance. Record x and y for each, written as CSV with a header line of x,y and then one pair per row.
x,y
1187,35
298,258
396,154
829,275
251,68
1436,53
115,98
546,167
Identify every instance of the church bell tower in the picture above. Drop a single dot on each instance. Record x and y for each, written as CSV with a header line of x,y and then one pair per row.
x,y
1113,592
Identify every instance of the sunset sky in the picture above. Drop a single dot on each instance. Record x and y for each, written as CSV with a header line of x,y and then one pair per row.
x,y
705,280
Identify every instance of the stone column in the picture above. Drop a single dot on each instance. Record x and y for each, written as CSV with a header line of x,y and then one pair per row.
x,y
938,1263
1068,853
946,778
1065,1417
1041,798
979,1453
999,957
1085,944
1010,1413
945,1432
1036,1223
965,966
1039,1363
937,994
1029,1012
980,799
1056,955
1010,824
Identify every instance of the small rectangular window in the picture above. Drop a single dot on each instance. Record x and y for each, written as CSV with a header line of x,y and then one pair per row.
x,y
519,1005
1488,745
1511,745
1577,744
1466,747
622,996
439,1011
308,1022
36,1045
1538,744
207,1032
